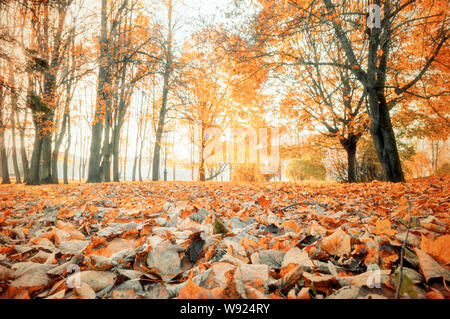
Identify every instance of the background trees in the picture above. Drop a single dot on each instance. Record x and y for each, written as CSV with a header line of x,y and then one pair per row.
x,y
127,88
378,57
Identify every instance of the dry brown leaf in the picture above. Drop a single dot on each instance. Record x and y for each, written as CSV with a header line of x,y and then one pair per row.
x,y
430,268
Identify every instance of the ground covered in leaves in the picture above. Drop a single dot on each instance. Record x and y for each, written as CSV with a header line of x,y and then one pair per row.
x,y
220,240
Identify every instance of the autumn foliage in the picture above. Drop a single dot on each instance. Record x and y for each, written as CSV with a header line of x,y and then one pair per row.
x,y
277,240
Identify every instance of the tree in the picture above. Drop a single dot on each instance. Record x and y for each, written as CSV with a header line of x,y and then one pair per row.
x,y
169,66
377,55
3,157
125,57
206,102
324,98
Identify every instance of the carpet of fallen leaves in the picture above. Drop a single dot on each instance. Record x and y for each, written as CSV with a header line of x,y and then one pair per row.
x,y
223,240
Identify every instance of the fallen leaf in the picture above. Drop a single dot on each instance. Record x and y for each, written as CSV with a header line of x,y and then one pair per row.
x,y
430,268
439,248
337,244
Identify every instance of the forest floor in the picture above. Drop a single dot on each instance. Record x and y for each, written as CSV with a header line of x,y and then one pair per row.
x,y
223,240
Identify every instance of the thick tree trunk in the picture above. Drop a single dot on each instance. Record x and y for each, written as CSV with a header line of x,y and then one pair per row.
x,y
384,139
116,155
58,143
4,158
46,155
34,176
94,174
351,163
349,145
50,88
374,81
105,166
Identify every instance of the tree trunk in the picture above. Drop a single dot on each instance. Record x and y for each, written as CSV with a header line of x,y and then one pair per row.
x,y
50,87
374,81
105,166
149,165
384,139
46,155
80,158
66,152
158,140
133,174
163,110
23,151
349,145
116,155
351,163
102,97
126,152
58,143
3,157
14,147
202,175
140,161
14,103
34,176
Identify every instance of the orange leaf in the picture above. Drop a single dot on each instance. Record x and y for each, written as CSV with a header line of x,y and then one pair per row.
x,y
438,248
264,202
192,291
384,227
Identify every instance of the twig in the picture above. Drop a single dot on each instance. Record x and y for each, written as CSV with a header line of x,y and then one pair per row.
x,y
303,203
402,252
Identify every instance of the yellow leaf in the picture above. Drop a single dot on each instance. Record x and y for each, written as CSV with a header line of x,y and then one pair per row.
x,y
383,227
438,248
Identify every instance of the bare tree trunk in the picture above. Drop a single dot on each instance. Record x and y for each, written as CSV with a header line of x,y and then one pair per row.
x,y
66,152
94,174
434,155
57,146
3,157
23,152
384,140
80,158
163,110
46,155
34,176
13,96
126,153
202,174
133,175
149,165
140,162
349,145
159,132
116,155
14,147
